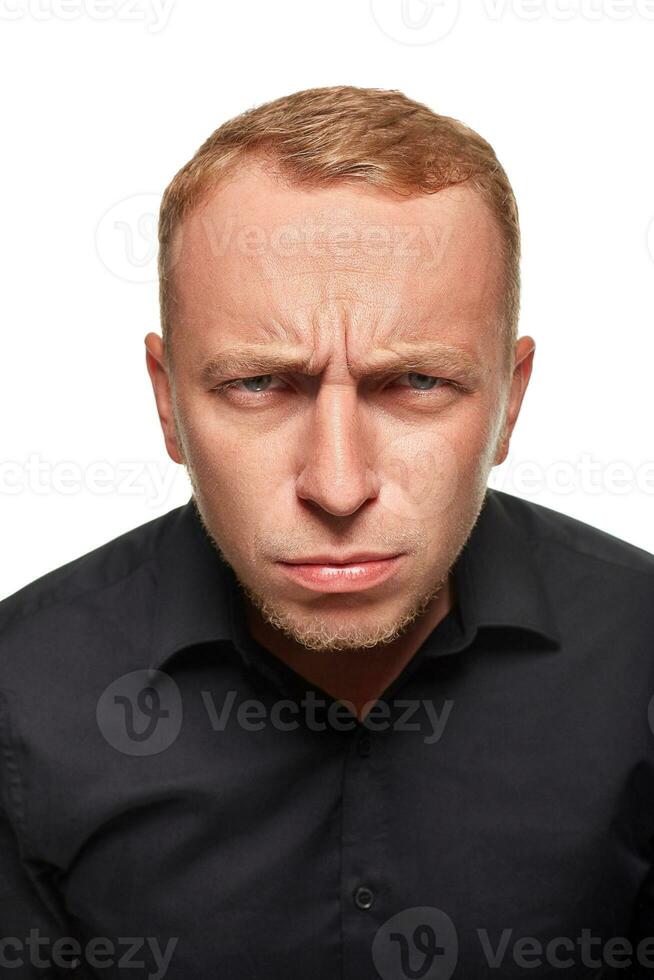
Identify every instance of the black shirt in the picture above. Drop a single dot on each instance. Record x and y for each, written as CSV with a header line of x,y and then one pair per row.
x,y
175,796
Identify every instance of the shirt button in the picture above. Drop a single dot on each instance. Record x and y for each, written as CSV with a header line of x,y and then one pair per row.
x,y
363,897
365,745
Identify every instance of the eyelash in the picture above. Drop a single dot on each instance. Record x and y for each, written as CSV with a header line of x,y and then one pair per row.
x,y
223,386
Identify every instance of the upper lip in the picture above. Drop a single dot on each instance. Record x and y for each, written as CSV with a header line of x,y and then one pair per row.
x,y
353,559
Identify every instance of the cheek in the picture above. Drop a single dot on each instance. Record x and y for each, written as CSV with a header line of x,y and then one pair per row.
x,y
433,472
419,476
244,472
235,470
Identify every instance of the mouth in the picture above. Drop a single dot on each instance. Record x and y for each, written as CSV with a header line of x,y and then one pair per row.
x,y
356,573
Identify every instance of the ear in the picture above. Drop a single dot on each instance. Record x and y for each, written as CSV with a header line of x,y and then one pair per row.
x,y
158,371
523,362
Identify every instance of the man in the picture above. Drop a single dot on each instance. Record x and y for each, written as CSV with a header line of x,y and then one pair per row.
x,y
348,713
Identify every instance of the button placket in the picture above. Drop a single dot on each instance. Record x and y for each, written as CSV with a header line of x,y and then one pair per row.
x,y
364,857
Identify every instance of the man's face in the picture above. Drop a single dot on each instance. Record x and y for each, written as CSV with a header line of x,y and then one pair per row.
x,y
378,399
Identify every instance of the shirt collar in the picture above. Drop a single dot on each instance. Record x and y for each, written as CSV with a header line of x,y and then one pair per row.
x,y
500,580
496,581
192,592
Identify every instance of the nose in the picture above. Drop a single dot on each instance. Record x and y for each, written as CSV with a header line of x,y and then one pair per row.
x,y
336,475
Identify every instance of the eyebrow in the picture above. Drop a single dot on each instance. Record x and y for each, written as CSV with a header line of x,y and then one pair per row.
x,y
260,359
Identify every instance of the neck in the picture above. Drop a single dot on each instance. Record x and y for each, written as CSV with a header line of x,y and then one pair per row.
x,y
357,676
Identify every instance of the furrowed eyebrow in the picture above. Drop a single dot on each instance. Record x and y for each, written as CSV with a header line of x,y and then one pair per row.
x,y
256,360
429,355
422,357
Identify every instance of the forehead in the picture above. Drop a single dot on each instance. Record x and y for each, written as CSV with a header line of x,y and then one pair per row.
x,y
262,255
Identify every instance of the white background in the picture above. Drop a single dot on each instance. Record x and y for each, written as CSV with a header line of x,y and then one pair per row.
x,y
104,101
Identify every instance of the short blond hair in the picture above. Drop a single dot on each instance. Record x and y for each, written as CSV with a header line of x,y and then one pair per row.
x,y
320,136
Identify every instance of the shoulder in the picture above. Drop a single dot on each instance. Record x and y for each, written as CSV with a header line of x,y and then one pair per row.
x,y
70,602
599,587
571,540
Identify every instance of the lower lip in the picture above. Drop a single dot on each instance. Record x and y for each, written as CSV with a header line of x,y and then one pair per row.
x,y
342,578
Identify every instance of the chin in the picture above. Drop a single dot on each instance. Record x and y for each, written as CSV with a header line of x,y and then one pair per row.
x,y
340,621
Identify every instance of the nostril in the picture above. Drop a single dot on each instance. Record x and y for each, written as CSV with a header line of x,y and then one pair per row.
x,y
338,494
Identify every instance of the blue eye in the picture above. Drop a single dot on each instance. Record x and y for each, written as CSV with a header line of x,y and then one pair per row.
x,y
264,383
425,382
259,382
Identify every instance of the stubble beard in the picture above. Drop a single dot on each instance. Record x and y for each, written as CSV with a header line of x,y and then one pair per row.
x,y
318,632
